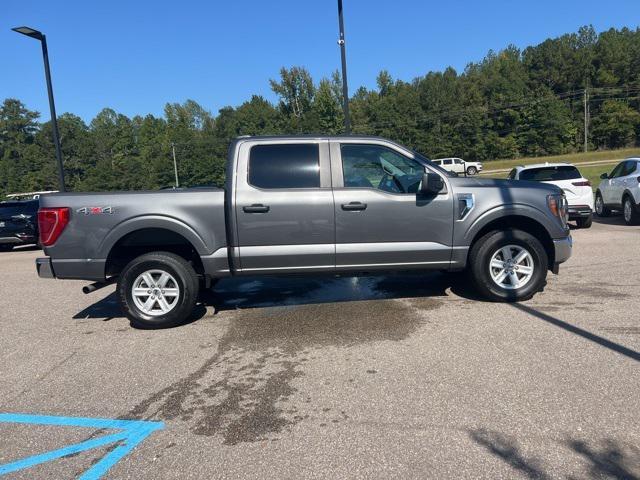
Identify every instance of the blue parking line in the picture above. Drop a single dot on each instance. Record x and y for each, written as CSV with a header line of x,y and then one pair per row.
x,y
132,433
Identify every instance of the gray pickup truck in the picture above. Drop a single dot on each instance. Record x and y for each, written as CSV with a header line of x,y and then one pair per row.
x,y
308,205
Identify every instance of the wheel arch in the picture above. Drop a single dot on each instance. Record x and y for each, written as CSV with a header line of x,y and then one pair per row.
x,y
144,240
627,193
518,222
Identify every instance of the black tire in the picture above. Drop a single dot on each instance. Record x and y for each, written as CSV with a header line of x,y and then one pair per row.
x,y
585,222
6,247
186,281
481,255
472,171
601,208
630,211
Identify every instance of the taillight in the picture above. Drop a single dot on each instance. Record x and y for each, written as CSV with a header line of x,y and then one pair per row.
x,y
584,183
51,223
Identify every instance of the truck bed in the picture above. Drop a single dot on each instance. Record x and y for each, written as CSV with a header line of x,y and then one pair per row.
x,y
98,221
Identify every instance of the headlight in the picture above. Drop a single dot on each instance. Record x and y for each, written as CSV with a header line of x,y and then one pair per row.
x,y
558,207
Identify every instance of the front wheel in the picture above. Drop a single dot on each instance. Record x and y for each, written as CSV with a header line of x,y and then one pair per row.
x,y
6,247
508,266
601,209
158,290
472,171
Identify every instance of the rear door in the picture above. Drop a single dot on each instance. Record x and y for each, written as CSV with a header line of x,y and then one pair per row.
x,y
284,207
381,220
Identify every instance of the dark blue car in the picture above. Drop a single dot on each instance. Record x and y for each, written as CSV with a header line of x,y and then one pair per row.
x,y
18,224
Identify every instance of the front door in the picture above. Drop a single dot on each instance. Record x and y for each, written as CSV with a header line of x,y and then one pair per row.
x,y
381,219
284,207
613,193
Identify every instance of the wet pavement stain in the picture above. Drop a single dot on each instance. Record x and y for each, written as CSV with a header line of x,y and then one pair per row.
x,y
245,392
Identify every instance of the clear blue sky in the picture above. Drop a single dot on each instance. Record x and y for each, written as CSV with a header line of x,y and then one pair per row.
x,y
136,55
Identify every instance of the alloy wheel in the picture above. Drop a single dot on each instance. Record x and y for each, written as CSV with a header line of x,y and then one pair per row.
x,y
511,267
155,292
627,211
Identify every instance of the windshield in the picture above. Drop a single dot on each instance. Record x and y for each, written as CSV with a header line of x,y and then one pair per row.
x,y
550,174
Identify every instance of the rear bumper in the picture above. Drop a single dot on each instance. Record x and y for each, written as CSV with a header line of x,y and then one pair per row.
x,y
579,211
44,268
563,248
18,240
71,268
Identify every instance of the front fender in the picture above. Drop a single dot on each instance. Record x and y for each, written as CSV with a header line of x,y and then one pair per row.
x,y
554,228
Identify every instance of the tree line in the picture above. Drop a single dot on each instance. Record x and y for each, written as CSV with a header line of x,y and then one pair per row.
x,y
512,103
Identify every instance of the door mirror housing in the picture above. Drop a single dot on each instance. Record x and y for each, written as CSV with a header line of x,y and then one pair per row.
x,y
604,176
432,184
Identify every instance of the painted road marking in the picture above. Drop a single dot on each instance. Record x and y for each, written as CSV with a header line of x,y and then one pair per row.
x,y
132,432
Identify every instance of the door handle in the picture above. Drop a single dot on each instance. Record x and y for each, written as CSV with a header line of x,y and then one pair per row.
x,y
256,208
354,206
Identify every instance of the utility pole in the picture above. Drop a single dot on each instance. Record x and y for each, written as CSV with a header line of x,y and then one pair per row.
x,y
586,119
175,163
345,89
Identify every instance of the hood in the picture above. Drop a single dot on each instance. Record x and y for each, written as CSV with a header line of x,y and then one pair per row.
x,y
475,182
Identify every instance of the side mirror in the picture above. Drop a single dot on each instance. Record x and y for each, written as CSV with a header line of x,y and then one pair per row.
x,y
604,176
432,184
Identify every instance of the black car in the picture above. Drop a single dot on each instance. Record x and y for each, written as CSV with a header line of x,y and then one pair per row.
x,y
18,224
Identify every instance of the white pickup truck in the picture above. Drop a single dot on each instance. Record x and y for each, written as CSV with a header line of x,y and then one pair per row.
x,y
458,165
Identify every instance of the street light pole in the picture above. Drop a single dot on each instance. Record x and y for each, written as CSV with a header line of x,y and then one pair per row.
x,y
30,32
345,89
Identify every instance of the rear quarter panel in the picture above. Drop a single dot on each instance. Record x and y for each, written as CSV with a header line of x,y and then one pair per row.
x,y
196,214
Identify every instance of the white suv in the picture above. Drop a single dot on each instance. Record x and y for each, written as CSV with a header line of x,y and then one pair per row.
x,y
620,190
458,165
576,188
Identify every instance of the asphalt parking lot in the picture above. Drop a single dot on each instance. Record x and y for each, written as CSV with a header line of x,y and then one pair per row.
x,y
403,376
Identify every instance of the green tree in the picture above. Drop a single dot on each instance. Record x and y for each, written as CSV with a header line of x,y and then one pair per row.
x,y
616,125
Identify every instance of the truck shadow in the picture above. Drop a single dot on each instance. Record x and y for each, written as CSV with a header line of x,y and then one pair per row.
x,y
264,292
605,458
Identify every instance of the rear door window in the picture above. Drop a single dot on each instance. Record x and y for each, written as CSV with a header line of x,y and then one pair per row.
x,y
550,174
294,165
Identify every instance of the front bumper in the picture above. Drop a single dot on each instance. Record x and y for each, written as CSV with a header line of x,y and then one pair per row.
x,y
44,268
562,249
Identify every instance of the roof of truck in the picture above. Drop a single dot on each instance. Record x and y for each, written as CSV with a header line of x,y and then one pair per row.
x,y
364,138
311,136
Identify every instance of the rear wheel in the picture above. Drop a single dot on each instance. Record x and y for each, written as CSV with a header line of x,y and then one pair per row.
x,y
630,212
6,247
601,209
158,290
584,222
508,266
